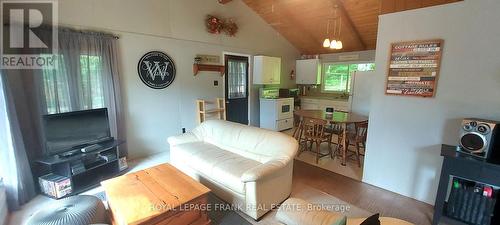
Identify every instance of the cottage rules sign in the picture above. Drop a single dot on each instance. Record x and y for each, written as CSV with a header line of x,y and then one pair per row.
x,y
156,70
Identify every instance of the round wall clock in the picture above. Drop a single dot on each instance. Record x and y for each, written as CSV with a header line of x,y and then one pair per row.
x,y
156,69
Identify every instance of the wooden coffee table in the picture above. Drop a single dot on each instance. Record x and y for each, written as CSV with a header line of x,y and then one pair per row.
x,y
157,195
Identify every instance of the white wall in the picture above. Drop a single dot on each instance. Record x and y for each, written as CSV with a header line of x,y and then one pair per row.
x,y
177,28
405,133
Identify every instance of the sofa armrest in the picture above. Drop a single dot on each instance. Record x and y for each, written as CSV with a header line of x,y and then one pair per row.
x,y
183,138
262,171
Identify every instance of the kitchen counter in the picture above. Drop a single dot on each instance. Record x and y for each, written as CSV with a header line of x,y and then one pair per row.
x,y
325,98
321,103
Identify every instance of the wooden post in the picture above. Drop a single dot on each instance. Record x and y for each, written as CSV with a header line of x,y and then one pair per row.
x,y
221,105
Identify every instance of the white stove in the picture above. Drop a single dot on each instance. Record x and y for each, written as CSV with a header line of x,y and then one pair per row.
x,y
276,113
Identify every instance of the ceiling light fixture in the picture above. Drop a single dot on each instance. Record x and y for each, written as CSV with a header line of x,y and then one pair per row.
x,y
326,43
335,43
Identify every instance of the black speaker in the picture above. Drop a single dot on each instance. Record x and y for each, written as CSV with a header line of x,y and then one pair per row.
x,y
481,138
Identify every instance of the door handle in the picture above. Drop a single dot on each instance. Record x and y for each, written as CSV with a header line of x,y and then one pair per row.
x,y
227,102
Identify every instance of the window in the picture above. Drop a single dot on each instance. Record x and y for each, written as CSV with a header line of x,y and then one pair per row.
x,y
337,77
64,93
91,82
237,78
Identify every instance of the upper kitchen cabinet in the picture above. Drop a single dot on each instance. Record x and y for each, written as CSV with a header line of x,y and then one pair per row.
x,y
266,70
308,71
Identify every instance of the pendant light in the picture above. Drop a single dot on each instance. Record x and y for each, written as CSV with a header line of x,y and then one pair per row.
x,y
326,42
334,43
339,18
339,45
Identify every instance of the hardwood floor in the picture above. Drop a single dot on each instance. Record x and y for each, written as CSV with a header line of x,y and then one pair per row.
x,y
354,192
363,195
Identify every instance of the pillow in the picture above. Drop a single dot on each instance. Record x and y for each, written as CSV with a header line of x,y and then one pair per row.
x,y
372,220
341,221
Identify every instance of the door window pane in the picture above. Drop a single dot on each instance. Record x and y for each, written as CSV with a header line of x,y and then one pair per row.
x,y
237,79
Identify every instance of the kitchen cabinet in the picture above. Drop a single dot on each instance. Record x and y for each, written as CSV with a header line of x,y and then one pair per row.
x,y
322,104
266,70
308,71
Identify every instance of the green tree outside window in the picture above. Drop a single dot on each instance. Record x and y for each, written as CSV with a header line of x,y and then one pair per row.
x,y
337,77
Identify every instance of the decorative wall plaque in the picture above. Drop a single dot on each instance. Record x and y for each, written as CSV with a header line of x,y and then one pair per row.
x,y
156,69
414,68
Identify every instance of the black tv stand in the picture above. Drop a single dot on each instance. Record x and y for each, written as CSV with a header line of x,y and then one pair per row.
x,y
465,167
69,153
85,169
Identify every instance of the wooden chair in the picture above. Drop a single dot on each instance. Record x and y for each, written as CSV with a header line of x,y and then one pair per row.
x,y
313,132
334,130
358,139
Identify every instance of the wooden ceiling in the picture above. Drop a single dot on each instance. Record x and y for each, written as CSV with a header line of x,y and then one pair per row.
x,y
304,22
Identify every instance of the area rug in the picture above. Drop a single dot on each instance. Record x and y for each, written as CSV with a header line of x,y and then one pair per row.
x,y
317,197
350,170
219,217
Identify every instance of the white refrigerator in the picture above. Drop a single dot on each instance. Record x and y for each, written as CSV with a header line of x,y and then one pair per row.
x,y
361,88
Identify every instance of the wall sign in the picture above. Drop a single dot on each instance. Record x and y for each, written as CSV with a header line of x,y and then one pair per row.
x,y
208,59
414,68
156,70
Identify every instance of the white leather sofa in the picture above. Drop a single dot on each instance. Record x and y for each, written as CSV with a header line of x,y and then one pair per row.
x,y
246,166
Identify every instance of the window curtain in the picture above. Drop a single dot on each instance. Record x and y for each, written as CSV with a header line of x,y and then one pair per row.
x,y
237,73
14,165
86,77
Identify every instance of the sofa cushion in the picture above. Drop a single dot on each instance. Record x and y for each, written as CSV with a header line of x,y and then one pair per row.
x,y
215,163
250,142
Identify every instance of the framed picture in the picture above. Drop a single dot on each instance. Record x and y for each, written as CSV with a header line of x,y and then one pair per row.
x,y
414,68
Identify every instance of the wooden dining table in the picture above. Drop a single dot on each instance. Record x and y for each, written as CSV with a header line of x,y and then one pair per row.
x,y
337,117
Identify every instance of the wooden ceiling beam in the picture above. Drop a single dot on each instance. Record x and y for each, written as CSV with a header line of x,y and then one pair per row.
x,y
350,24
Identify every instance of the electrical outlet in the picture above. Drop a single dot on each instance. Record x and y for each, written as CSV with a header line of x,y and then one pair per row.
x,y
216,83
183,130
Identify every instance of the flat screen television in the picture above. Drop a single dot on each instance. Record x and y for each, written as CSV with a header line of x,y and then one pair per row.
x,y
67,131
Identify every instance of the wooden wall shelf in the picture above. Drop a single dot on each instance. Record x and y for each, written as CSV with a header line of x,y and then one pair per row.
x,y
219,112
206,67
